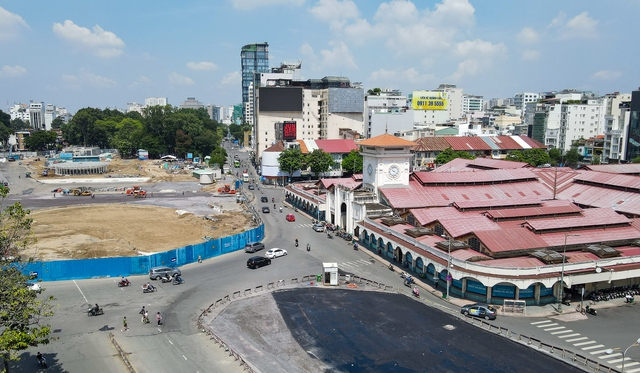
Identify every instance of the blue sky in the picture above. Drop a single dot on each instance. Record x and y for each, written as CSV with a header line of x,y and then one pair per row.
x,y
76,54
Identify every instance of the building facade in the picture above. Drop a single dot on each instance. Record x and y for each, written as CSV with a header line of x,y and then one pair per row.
x,y
254,58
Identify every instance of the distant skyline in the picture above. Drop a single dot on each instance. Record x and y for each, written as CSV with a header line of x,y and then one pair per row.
x,y
76,54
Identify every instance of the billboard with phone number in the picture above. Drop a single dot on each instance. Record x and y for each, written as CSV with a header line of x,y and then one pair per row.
x,y
429,100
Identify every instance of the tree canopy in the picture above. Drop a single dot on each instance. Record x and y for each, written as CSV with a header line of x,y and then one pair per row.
x,y
534,157
290,160
319,161
449,154
22,310
160,130
352,162
41,140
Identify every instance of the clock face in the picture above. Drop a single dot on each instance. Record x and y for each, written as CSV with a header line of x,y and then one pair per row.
x,y
369,169
394,171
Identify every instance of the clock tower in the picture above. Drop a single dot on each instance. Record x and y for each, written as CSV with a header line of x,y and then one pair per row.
x,y
386,161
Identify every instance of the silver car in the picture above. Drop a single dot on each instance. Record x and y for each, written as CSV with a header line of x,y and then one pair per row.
x,y
156,273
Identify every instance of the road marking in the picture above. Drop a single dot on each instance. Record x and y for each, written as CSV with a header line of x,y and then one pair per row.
x,y
568,335
609,356
598,352
160,330
616,361
577,339
592,347
583,343
540,322
554,328
631,370
562,332
546,326
85,298
184,357
171,342
632,364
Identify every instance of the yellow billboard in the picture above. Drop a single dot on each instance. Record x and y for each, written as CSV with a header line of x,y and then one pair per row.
x,y
429,100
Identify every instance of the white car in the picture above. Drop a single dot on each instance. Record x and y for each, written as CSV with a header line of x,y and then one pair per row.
x,y
274,253
34,286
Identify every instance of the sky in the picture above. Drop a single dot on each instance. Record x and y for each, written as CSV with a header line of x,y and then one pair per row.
x,y
101,54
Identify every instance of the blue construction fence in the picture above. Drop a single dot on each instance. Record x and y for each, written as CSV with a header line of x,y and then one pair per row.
x,y
138,265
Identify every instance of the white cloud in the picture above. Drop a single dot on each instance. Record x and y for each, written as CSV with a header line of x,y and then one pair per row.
x,y
478,55
528,36
202,65
12,71
335,12
530,55
232,79
10,24
606,75
141,80
383,77
579,27
339,57
87,78
101,43
177,79
252,4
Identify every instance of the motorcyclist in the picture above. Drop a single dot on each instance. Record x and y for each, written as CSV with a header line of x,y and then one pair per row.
x,y
296,242
415,291
177,279
280,208
95,309
274,201
39,357
308,247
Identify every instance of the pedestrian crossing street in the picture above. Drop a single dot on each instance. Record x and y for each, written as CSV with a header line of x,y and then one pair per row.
x,y
587,345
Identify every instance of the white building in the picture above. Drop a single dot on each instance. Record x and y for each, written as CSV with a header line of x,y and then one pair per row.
x,y
581,121
19,111
455,108
387,111
155,101
617,115
135,106
191,103
472,104
520,100
36,115
50,114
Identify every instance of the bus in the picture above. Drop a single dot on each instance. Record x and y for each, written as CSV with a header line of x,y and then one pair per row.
x,y
245,178
236,164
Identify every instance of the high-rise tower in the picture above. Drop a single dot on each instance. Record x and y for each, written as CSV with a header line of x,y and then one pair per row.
x,y
254,59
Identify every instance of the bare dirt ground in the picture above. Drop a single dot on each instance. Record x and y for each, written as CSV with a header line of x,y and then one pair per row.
x,y
124,230
130,167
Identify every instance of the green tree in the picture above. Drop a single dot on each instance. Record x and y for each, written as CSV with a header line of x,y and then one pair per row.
x,y
22,313
18,124
595,160
57,122
319,161
449,154
290,161
636,159
128,137
218,156
374,92
5,119
236,131
352,162
41,140
556,156
534,157
184,143
571,157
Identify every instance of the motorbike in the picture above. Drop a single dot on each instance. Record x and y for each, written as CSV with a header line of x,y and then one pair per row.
x,y
355,246
629,299
408,282
43,362
329,235
94,312
591,311
166,279
566,302
416,293
178,281
149,289
308,247
391,267
124,282
296,243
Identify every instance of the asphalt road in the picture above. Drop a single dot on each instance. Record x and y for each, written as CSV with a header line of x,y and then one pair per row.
x,y
177,346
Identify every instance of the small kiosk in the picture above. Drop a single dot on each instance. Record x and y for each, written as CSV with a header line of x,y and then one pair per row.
x,y
330,274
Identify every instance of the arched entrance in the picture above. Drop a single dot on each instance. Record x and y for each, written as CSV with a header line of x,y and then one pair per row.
x,y
343,215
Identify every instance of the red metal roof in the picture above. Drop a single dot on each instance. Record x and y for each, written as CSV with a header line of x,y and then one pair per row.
x,y
467,143
532,143
502,240
337,146
521,262
429,215
594,196
431,144
468,224
348,182
621,181
503,142
629,168
496,203
484,176
527,212
596,217
589,236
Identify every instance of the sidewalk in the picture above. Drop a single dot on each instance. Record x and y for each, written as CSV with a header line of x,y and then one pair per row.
x,y
548,310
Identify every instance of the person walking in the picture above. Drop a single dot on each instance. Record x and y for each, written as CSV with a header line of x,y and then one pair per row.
x,y
159,318
199,258
146,317
124,325
142,312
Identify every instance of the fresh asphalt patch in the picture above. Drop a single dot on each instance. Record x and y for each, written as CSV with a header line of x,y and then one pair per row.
x,y
336,330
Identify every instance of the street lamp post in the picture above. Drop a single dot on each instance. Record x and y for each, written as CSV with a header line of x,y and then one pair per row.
x,y
610,351
448,264
564,253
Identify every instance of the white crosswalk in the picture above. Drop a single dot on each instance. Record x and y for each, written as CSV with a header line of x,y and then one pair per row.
x,y
585,344
353,265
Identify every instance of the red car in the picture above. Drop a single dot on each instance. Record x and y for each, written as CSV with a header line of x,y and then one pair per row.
x,y
291,217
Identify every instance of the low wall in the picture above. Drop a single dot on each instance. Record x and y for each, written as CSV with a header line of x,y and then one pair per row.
x,y
138,265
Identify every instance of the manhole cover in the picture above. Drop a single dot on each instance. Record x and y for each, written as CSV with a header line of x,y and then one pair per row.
x,y
449,327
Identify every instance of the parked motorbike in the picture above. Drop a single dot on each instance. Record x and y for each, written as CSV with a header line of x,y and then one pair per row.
x,y
629,299
566,302
166,279
124,282
178,280
391,267
95,312
591,311
148,289
329,235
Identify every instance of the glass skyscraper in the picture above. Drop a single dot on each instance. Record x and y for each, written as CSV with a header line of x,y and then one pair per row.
x,y
254,59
